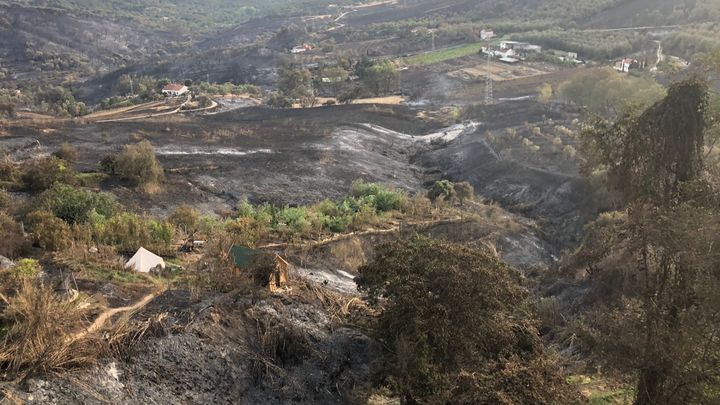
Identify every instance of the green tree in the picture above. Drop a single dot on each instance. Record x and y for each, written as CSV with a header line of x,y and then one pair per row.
x,y
59,100
295,83
124,86
456,328
607,92
380,77
334,78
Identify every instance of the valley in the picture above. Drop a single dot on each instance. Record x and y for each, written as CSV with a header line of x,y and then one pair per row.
x,y
298,168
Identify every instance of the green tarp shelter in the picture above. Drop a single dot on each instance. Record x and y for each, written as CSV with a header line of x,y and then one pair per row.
x,y
242,256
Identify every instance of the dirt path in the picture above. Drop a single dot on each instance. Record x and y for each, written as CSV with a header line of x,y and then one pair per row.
x,y
175,111
344,236
110,312
660,57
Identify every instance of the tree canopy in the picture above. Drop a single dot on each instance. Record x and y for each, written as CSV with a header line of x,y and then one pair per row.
x,y
458,327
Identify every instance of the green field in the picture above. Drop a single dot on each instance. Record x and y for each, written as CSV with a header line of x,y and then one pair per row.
x,y
442,55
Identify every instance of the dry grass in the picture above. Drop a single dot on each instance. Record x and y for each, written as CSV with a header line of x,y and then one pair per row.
x,y
43,333
39,338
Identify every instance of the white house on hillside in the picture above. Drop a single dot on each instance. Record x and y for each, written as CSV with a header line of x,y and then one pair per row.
x,y
174,90
301,48
520,46
626,65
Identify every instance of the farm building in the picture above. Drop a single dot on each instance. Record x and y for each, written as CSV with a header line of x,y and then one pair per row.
x,y
626,65
520,46
144,261
174,90
565,55
301,48
487,34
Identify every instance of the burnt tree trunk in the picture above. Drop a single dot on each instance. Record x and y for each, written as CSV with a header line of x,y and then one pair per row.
x,y
650,387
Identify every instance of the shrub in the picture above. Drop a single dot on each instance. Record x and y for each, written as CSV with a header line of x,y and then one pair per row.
x,y
293,220
74,205
361,189
26,269
245,209
443,190
8,172
337,224
378,196
108,163
209,225
277,100
51,233
185,217
365,216
12,238
43,173
127,232
386,200
66,153
138,164
247,231
569,152
161,232
457,325
4,199
464,191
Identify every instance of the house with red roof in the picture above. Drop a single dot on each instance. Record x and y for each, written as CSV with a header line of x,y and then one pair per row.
x,y
174,90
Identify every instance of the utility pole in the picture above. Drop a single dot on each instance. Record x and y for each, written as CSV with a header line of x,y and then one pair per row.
x,y
488,80
400,81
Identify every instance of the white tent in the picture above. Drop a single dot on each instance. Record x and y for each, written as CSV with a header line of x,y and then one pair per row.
x,y
144,261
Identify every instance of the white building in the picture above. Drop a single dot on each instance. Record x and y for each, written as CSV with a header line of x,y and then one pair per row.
x,y
174,90
301,48
625,65
487,34
520,46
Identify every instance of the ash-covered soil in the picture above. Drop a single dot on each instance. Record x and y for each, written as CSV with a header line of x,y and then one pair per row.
x,y
307,155
306,345
218,351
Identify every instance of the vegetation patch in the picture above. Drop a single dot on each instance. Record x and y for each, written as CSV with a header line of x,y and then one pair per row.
x,y
443,55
